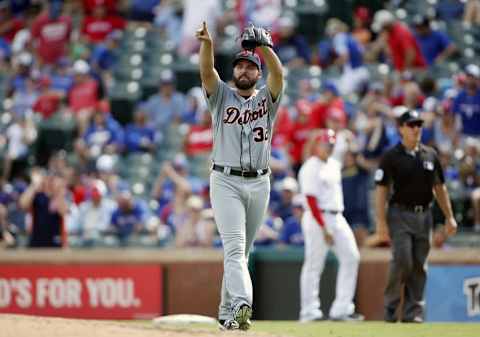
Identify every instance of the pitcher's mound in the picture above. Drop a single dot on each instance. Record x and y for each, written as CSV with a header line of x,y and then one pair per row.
x,y
34,326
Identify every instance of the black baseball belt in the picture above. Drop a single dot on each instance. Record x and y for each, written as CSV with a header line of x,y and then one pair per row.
x,y
412,208
239,173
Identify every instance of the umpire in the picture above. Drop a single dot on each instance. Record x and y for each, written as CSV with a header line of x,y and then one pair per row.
x,y
415,175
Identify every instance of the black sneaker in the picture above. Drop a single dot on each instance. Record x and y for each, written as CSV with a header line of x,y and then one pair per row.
x,y
415,319
243,315
228,324
355,317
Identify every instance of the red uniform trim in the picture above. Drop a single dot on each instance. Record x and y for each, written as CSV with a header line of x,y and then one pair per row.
x,y
317,213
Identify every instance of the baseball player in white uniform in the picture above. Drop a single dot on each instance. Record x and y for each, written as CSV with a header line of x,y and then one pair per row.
x,y
242,122
324,228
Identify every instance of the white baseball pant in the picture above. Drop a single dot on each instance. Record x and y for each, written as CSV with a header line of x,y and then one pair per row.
x,y
316,249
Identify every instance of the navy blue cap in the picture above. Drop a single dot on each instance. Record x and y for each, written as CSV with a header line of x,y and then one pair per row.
x,y
330,86
249,56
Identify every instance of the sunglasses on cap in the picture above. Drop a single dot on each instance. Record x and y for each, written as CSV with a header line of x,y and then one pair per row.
x,y
418,124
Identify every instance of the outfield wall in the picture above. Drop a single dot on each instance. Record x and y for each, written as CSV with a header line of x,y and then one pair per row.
x,y
132,284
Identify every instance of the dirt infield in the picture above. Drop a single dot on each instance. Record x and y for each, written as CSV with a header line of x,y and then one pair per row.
x,y
32,326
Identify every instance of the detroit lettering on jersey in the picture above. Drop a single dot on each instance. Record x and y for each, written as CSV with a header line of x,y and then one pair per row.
x,y
242,127
233,114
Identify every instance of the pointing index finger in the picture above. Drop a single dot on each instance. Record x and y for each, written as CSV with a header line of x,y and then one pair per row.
x,y
204,25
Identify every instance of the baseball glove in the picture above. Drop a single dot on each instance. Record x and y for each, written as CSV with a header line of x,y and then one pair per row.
x,y
253,37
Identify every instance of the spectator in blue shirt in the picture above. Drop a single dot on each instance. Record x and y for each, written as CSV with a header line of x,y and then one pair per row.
x,y
291,232
103,135
166,106
435,45
61,79
139,136
291,47
467,103
19,81
355,184
349,56
283,207
105,55
5,49
195,106
128,218
142,10
267,233
450,10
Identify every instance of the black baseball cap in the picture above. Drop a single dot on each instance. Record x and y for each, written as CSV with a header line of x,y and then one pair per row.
x,y
421,21
249,56
409,116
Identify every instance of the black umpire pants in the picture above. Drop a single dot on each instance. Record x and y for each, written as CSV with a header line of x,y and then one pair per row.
x,y
410,235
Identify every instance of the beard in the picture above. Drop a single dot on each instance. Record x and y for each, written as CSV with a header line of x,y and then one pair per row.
x,y
244,83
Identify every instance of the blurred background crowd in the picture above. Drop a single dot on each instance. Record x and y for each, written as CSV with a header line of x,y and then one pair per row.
x,y
105,135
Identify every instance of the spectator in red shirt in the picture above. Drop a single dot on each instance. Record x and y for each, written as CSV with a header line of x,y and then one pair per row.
x,y
330,99
51,32
283,127
407,93
301,129
84,94
9,24
198,145
90,5
100,23
199,139
398,40
48,102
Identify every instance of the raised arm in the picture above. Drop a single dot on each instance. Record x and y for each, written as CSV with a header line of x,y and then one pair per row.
x,y
26,199
275,71
208,74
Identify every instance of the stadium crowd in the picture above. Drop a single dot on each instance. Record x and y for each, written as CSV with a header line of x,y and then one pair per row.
x,y
80,169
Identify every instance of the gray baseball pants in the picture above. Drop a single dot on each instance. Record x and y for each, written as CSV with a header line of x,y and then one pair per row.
x,y
239,205
410,234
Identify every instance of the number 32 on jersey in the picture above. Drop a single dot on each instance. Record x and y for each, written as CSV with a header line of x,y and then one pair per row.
x,y
260,134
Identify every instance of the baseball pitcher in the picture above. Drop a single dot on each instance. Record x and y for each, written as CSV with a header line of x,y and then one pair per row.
x,y
242,122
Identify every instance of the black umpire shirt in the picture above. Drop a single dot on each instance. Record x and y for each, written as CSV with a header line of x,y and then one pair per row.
x,y
413,174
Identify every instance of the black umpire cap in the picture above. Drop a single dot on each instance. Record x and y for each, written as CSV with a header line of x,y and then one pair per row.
x,y
409,116
249,56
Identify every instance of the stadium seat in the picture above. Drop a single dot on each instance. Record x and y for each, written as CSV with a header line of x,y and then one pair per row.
x,y
55,133
187,73
123,96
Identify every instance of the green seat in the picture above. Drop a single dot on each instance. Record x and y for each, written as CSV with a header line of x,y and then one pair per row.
x,y
123,97
188,75
53,137
150,80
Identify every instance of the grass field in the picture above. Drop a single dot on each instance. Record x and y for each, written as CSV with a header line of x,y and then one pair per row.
x,y
28,326
369,329
365,329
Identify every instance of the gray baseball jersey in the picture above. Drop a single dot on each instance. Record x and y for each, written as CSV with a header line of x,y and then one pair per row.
x,y
242,128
